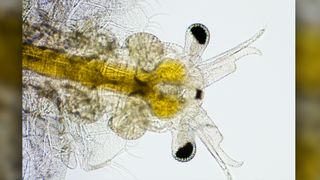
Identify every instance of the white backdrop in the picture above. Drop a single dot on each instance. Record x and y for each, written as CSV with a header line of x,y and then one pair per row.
x,y
253,108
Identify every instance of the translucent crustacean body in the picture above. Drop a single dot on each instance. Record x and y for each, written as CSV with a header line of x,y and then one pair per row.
x,y
142,85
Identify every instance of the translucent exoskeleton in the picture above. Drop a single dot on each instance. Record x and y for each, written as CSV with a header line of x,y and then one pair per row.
x,y
53,140
95,91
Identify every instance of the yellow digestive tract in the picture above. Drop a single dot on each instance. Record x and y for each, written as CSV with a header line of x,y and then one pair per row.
x,y
96,73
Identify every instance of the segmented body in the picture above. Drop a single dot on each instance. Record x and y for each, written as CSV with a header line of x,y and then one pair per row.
x,y
55,134
142,85
85,94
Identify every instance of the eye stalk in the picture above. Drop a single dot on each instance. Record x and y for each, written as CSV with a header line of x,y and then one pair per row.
x,y
196,40
199,94
183,142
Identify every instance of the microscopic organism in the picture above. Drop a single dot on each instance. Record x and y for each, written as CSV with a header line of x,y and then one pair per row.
x,y
89,86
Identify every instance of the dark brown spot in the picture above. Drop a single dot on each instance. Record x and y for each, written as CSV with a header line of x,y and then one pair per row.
x,y
199,94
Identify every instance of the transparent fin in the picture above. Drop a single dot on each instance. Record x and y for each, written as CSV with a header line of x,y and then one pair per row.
x,y
211,137
102,145
223,64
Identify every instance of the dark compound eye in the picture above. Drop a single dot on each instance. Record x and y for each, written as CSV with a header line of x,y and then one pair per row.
x,y
186,152
199,33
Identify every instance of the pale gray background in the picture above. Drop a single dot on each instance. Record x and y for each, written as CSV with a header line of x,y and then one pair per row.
x,y
254,107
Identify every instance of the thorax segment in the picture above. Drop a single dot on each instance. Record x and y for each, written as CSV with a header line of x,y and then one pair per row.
x,y
97,73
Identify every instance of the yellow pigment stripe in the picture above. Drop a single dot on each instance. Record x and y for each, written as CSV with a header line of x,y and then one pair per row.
x,y
91,73
95,73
